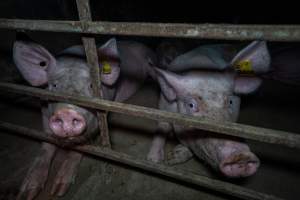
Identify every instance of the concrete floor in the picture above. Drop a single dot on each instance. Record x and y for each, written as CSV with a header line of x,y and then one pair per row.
x,y
274,106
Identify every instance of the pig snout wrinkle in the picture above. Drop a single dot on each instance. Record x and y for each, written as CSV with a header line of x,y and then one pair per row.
x,y
67,123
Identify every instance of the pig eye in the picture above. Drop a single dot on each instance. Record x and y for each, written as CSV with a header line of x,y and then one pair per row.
x,y
191,105
233,101
43,64
54,85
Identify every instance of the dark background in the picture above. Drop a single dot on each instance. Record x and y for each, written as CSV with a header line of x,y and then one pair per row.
x,y
212,11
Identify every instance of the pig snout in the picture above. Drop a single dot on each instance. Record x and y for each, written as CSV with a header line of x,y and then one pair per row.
x,y
240,164
67,123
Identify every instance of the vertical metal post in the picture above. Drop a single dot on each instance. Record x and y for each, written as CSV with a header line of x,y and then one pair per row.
x,y
84,12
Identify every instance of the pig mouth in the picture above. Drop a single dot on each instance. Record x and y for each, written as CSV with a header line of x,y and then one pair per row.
x,y
73,141
239,165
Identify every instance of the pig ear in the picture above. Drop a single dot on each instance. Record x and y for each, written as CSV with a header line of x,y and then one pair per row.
x,y
246,85
253,58
33,61
76,50
109,62
204,57
169,83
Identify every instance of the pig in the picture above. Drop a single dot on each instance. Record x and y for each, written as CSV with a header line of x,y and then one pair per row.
x,y
176,58
206,91
9,72
125,66
285,65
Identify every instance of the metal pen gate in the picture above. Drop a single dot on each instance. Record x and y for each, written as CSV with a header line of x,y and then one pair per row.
x,y
201,31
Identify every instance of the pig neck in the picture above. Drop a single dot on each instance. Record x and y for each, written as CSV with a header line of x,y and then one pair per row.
x,y
134,60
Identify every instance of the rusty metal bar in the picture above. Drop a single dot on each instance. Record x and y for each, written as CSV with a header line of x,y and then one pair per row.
x,y
234,129
171,172
201,31
89,44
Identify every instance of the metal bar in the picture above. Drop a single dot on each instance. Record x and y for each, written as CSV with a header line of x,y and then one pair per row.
x,y
172,172
203,31
89,44
234,129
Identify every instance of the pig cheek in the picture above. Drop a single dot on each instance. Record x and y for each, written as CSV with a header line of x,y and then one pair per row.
x,y
202,110
233,106
92,121
234,114
38,78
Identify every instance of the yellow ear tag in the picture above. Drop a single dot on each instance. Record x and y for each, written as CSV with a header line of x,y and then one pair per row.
x,y
106,68
244,66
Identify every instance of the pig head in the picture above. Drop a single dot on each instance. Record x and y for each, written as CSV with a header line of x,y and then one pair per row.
x,y
209,88
125,65
210,95
252,58
63,74
69,73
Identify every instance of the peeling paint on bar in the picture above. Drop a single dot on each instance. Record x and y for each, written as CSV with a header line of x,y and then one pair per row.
x,y
200,31
183,176
233,129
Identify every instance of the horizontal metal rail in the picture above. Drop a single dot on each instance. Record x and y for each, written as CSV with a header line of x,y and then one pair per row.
x,y
201,31
172,172
233,129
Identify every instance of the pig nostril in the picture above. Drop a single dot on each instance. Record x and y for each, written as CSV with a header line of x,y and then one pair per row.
x,y
75,122
58,121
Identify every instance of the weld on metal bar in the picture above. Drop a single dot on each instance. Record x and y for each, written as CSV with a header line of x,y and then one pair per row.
x,y
172,172
203,31
89,44
234,129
